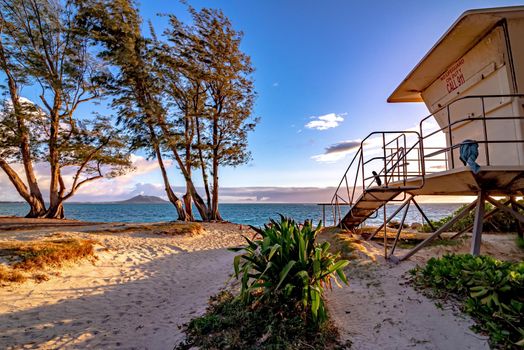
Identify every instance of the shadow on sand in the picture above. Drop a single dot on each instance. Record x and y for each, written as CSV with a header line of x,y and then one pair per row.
x,y
143,313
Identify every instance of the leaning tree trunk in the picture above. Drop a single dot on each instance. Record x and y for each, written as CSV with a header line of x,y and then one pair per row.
x,y
214,212
36,204
36,208
56,211
182,215
199,202
202,163
188,204
32,195
56,208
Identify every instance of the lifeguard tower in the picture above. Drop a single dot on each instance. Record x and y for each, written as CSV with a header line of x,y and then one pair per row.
x,y
472,82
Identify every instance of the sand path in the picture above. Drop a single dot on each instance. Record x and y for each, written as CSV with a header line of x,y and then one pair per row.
x,y
380,311
138,294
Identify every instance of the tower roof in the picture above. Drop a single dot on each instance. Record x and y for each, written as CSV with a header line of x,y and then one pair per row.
x,y
467,30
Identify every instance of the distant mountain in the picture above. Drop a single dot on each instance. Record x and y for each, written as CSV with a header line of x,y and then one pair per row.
x,y
143,200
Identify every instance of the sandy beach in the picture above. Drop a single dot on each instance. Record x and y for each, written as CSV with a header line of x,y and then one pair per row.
x,y
138,293
144,285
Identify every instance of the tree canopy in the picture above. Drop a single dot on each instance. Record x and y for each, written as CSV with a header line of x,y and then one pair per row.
x,y
186,94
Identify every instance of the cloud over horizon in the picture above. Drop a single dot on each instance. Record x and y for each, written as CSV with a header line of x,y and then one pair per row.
x,y
337,151
326,121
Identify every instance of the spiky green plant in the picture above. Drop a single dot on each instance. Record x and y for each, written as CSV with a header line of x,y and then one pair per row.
x,y
286,264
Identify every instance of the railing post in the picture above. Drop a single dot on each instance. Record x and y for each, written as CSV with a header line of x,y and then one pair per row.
x,y
450,139
385,165
363,175
385,234
347,188
323,215
486,147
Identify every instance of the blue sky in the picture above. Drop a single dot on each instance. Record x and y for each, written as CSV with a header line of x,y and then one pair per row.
x,y
315,58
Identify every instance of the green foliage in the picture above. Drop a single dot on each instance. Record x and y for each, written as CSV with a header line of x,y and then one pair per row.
x,y
492,291
187,93
228,324
42,46
286,264
520,242
498,222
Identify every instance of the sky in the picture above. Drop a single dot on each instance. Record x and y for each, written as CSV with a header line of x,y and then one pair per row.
x,y
324,70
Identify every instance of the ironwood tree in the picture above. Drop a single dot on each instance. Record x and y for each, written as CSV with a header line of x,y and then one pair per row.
x,y
42,48
187,94
208,79
115,25
230,94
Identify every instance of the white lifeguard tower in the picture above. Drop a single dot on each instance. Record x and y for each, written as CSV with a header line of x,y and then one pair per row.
x,y
472,82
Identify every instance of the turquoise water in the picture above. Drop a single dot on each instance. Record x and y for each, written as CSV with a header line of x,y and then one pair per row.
x,y
250,214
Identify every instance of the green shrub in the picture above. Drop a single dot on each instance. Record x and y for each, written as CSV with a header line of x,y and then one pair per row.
x,y
286,264
520,242
492,291
229,324
498,222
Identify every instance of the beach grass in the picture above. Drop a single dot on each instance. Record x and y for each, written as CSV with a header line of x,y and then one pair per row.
x,y
168,228
11,275
341,241
36,256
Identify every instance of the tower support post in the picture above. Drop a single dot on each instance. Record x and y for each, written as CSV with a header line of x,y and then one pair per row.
x,y
478,223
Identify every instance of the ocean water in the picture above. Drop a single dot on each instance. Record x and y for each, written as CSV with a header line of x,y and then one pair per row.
x,y
248,214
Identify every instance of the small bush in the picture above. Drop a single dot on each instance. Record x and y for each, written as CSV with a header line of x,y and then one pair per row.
x,y
40,277
498,222
520,242
286,265
490,290
10,275
228,324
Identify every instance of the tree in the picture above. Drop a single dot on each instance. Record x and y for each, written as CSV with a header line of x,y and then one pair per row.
x,y
15,142
230,93
116,26
179,72
190,95
42,47
207,78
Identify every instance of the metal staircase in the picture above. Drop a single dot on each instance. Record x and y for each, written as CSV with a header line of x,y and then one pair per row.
x,y
379,178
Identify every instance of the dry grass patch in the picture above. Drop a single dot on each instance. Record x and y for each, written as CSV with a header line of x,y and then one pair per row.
x,y
177,229
409,238
169,229
340,240
35,256
10,275
351,246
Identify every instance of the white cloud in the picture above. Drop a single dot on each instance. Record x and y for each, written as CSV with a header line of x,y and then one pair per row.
x,y
104,189
326,121
276,84
329,157
373,145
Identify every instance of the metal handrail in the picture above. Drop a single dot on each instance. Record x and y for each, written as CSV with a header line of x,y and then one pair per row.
x,y
482,118
394,166
395,163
